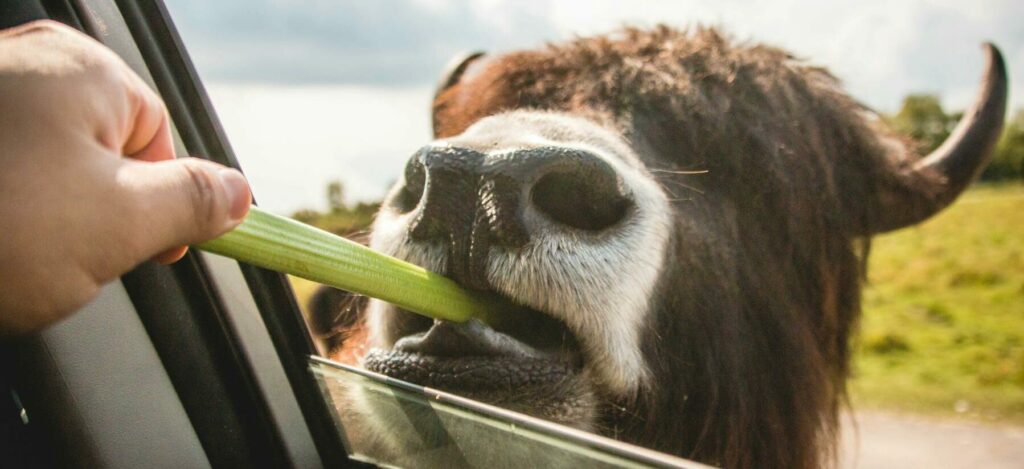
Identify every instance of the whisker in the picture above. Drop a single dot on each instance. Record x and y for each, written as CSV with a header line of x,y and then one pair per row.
x,y
673,194
684,172
681,184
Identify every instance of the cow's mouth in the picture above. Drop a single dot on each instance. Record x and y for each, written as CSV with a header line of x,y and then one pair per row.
x,y
535,353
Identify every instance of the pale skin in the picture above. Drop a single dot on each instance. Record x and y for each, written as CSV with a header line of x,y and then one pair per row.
x,y
89,183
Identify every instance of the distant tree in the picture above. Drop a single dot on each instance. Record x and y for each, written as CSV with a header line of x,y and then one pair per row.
x,y
351,221
306,215
922,118
1008,161
336,196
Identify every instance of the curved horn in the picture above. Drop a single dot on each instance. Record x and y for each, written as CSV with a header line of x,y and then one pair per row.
x,y
450,76
454,69
936,180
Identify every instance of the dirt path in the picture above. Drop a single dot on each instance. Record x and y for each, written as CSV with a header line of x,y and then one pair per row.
x,y
907,442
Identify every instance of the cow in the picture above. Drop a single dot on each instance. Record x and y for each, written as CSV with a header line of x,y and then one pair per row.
x,y
686,218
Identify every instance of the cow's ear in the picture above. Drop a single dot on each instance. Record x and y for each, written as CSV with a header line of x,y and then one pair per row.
x,y
452,73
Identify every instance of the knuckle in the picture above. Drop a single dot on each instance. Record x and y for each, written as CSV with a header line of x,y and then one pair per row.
x,y
202,188
47,26
106,68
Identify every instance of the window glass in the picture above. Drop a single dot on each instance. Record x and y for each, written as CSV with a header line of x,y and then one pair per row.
x,y
446,430
702,229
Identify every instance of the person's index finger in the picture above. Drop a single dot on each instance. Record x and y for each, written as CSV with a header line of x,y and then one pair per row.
x,y
149,138
159,147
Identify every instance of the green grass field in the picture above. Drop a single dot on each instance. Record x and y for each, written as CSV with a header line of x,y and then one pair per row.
x,y
943,324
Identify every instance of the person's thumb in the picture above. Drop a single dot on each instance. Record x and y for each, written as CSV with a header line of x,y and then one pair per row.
x,y
180,202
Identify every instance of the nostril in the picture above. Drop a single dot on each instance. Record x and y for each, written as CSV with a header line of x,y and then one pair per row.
x,y
587,200
412,190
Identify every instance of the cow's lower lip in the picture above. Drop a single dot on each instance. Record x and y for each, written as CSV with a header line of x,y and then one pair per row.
x,y
480,376
475,359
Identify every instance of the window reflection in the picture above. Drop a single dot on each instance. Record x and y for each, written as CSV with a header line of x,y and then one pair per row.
x,y
429,428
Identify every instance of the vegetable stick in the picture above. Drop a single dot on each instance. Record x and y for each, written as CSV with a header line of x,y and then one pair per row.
x,y
285,245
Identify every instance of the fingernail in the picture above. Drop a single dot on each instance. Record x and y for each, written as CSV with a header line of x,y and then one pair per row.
x,y
237,189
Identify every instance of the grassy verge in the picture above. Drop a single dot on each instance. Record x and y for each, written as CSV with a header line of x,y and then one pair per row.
x,y
943,325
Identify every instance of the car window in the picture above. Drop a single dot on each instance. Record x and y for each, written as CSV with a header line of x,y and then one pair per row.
x,y
736,242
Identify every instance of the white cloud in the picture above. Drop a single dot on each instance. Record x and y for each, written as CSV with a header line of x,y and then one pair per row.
x,y
324,90
881,49
293,140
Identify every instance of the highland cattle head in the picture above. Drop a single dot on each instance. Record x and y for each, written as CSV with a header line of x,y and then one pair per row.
x,y
685,218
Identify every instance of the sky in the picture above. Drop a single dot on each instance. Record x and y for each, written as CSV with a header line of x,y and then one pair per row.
x,y
313,91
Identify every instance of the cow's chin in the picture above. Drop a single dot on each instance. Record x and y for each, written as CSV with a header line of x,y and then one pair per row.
x,y
534,366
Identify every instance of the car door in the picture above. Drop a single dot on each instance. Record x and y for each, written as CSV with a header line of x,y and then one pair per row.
x,y
209,362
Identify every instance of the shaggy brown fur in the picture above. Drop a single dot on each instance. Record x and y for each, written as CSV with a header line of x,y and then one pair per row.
x,y
752,327
775,176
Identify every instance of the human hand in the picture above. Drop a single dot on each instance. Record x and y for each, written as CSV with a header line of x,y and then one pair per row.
x,y
76,213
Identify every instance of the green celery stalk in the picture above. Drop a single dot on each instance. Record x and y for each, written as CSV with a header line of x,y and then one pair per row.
x,y
285,245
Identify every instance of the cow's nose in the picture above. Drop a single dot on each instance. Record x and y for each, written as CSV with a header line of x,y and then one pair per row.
x,y
473,201
573,188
